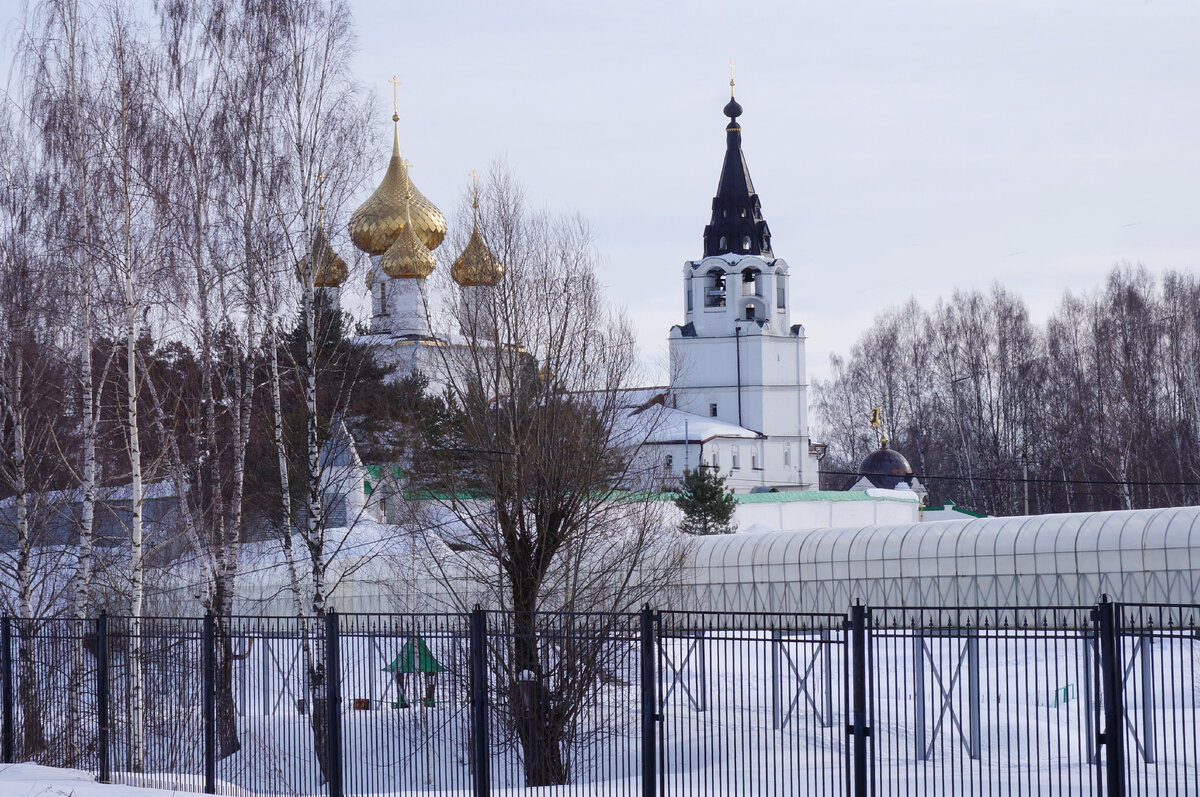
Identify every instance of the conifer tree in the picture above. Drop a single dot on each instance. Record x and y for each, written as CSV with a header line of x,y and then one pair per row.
x,y
707,504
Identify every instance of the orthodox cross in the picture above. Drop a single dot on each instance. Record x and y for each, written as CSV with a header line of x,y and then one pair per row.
x,y
395,97
730,77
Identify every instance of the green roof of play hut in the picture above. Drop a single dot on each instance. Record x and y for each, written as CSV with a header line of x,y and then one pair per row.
x,y
414,657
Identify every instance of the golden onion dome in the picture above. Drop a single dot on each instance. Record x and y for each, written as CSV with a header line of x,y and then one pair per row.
x,y
375,226
407,257
330,270
476,265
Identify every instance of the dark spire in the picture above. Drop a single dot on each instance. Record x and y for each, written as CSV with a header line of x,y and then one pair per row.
x,y
737,223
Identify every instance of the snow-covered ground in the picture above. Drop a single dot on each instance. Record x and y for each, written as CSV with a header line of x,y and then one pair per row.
x,y
32,780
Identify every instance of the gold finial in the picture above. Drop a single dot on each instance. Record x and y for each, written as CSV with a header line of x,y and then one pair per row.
x,y
395,99
474,175
730,77
877,422
320,196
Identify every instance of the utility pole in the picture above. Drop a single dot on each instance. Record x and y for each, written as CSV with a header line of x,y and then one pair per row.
x,y
1025,480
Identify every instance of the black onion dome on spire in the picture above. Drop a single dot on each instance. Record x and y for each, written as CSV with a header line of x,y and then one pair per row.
x,y
885,468
737,223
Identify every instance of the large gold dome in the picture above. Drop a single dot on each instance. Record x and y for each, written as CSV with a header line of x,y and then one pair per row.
x,y
376,225
408,257
330,270
476,265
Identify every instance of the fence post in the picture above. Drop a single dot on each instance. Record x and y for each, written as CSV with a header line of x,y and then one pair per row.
x,y
918,656
479,701
6,674
208,652
1148,742
333,700
649,704
102,747
1108,617
858,681
974,708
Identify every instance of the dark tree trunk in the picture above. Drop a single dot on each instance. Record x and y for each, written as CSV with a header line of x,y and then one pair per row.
x,y
228,742
538,726
33,734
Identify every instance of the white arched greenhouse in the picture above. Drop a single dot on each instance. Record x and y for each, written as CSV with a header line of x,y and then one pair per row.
x,y
1140,556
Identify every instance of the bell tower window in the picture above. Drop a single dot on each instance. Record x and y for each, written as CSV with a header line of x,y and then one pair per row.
x,y
714,290
780,294
745,243
722,243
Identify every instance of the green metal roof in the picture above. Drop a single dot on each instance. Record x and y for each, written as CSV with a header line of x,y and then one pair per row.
x,y
415,657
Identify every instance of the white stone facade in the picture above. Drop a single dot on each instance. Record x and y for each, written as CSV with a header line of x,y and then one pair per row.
x,y
738,359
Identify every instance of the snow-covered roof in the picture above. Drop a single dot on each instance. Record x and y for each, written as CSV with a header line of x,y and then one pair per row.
x,y
677,426
151,491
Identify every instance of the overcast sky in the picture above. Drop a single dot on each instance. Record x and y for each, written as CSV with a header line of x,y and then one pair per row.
x,y
899,149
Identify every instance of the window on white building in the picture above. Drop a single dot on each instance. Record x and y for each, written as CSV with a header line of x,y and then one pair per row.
x,y
787,456
716,459
780,293
688,294
736,459
712,410
383,298
754,460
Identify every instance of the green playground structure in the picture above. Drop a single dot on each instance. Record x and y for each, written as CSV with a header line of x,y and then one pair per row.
x,y
415,659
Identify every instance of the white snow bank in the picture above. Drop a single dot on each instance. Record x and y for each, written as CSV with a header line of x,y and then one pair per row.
x,y
33,780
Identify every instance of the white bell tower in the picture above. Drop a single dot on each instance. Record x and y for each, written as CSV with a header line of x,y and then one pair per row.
x,y
737,358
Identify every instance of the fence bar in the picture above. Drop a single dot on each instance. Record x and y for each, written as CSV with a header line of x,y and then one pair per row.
x,y
102,695
480,754
1113,738
208,676
858,679
333,700
6,674
649,703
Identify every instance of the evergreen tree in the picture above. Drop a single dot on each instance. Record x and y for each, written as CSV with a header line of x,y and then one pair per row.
x,y
706,502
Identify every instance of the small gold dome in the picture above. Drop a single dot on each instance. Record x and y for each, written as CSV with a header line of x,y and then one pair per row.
x,y
330,270
476,265
407,257
375,226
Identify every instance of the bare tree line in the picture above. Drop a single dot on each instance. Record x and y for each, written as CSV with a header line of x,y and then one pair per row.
x,y
165,171
1098,408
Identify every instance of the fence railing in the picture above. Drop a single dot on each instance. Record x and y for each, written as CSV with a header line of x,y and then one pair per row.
x,y
887,701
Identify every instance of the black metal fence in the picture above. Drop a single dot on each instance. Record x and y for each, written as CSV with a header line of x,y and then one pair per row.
x,y
1060,700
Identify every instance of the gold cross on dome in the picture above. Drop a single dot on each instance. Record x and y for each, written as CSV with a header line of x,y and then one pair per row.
x,y
320,194
474,175
395,97
730,77
407,163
